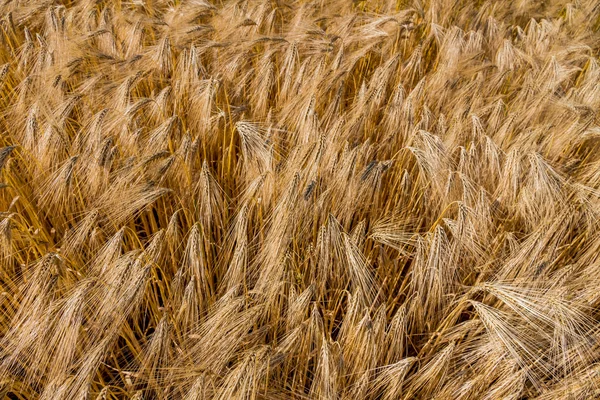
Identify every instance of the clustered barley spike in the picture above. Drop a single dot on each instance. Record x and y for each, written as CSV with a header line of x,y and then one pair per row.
x,y
299,199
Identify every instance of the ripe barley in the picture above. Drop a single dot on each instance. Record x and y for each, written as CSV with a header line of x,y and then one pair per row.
x,y
282,199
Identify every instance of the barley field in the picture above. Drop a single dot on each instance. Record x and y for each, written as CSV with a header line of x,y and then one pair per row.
x,y
299,199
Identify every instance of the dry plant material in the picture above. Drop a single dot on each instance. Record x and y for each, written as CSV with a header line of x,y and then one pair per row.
x,y
285,199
